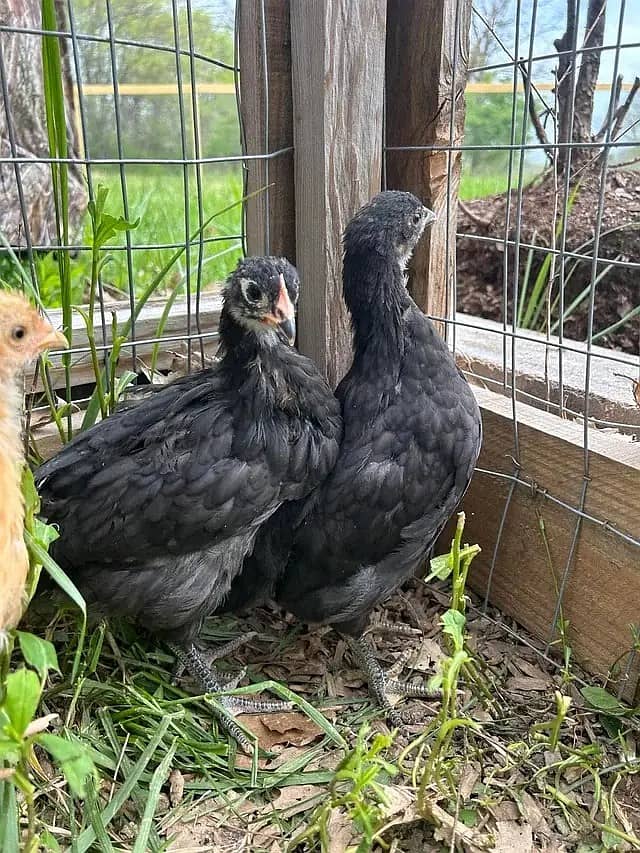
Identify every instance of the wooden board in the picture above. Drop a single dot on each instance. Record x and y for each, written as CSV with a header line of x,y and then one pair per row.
x,y
266,110
338,86
602,596
426,40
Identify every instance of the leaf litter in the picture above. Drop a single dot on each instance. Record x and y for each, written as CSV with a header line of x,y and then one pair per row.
x,y
500,787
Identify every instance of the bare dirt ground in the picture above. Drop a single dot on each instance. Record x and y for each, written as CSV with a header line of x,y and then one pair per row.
x,y
480,264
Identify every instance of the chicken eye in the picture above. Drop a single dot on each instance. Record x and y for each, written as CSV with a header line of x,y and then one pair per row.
x,y
253,293
18,333
417,216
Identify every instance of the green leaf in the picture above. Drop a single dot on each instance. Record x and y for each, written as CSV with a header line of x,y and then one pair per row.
x,y
598,698
73,759
453,623
38,653
469,817
44,533
441,567
612,725
21,699
9,823
49,842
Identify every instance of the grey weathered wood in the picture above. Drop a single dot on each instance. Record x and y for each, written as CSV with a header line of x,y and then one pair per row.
x,y
338,84
427,43
268,125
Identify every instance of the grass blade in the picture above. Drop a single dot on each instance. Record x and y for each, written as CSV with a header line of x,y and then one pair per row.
x,y
157,780
87,838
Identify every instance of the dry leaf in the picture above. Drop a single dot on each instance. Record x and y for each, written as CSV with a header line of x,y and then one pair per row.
x,y
449,829
534,816
295,799
468,779
290,727
512,837
429,654
339,829
176,787
39,725
6,773
522,683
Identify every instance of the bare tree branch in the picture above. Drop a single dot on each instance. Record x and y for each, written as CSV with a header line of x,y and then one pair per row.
x,y
622,111
614,102
535,118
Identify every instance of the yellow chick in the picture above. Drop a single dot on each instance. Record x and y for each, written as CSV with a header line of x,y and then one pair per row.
x,y
24,334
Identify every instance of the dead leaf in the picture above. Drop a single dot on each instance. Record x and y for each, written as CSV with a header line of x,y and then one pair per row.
x,y
513,837
295,799
39,725
449,829
6,773
534,816
176,787
522,683
468,779
505,811
290,727
339,829
400,803
429,655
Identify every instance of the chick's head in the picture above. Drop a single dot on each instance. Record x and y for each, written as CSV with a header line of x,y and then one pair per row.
x,y
261,295
24,334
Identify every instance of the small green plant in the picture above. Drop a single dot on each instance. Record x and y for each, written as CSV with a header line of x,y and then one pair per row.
x,y
21,691
357,790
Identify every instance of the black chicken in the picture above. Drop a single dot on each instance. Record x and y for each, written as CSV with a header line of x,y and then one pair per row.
x,y
159,504
412,434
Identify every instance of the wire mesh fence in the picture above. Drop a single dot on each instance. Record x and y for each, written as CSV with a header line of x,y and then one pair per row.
x,y
543,248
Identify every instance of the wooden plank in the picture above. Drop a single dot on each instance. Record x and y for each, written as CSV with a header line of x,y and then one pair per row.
x,y
266,110
146,332
338,85
427,42
602,597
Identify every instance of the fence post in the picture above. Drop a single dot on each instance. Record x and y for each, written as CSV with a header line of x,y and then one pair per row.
x,y
427,44
266,111
338,86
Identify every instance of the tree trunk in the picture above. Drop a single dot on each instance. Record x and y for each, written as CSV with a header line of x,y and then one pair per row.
x,y
23,132
582,130
588,77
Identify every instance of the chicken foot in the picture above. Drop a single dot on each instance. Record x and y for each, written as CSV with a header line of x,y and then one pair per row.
x,y
210,681
381,685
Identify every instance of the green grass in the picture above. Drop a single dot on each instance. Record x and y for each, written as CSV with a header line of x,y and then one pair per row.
x,y
155,196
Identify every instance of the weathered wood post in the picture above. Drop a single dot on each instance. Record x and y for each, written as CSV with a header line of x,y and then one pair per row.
x,y
267,117
338,85
427,56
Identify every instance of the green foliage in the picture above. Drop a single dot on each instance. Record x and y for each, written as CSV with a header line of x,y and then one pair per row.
x,y
357,791
21,691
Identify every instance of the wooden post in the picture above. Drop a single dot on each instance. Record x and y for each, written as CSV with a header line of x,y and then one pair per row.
x,y
427,44
268,124
338,86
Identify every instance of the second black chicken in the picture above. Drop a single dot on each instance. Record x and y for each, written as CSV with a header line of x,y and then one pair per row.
x,y
412,434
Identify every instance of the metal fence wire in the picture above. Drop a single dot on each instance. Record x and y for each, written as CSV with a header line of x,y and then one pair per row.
x,y
521,96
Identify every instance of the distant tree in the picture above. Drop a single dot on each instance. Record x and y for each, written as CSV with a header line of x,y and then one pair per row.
x,y
584,73
150,125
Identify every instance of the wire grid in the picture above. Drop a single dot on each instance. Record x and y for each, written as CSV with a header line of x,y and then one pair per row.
x,y
192,160
523,54
190,64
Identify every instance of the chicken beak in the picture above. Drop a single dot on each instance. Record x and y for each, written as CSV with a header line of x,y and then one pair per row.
x,y
51,339
284,315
